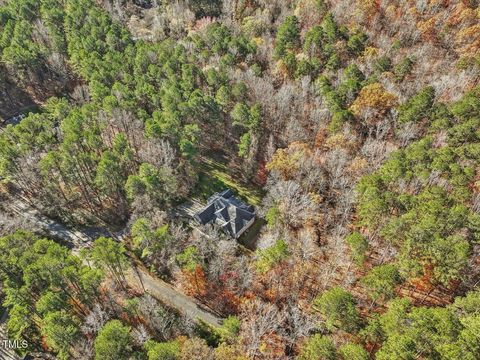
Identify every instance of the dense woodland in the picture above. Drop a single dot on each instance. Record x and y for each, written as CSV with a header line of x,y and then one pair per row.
x,y
353,126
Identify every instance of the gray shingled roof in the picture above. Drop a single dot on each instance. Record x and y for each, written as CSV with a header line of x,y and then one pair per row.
x,y
205,216
228,212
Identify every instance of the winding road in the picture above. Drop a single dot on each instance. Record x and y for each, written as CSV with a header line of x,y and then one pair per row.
x,y
137,277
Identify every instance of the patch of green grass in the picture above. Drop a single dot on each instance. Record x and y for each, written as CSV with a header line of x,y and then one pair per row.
x,y
214,177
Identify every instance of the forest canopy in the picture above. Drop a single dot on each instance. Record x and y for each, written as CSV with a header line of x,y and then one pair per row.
x,y
350,129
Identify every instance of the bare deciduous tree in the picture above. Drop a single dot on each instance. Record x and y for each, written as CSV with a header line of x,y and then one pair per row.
x,y
159,317
295,206
95,320
260,320
140,335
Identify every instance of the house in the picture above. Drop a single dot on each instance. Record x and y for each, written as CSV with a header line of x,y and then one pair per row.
x,y
232,215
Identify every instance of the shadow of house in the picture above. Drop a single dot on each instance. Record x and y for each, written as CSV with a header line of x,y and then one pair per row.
x,y
227,212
